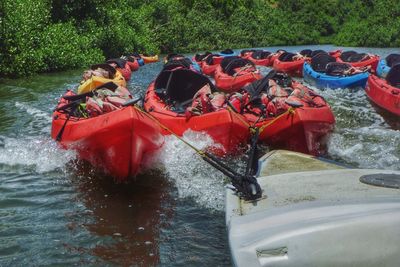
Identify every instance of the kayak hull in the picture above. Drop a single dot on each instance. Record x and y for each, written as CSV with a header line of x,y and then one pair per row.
x,y
266,62
134,66
305,130
293,68
322,80
383,94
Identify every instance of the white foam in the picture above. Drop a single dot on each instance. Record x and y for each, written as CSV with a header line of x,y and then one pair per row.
x,y
37,153
362,137
193,177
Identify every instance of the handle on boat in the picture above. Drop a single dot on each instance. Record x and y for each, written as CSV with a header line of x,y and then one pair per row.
x,y
294,104
132,101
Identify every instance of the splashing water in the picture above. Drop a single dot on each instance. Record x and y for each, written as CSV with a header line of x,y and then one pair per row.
x,y
36,154
192,176
362,137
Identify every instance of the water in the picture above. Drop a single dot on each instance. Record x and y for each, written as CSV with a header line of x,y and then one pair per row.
x,y
56,210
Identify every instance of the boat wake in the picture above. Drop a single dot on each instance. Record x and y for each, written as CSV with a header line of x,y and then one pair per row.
x,y
193,177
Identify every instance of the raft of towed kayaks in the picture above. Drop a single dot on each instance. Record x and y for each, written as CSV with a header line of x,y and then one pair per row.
x,y
116,133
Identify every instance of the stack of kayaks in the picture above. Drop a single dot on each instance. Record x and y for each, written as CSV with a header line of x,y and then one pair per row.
x,y
234,73
286,113
315,213
386,92
321,72
385,64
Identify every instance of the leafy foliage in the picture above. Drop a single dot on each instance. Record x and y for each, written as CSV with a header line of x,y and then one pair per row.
x,y
49,35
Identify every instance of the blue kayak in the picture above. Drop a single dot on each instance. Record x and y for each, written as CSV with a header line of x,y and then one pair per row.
x,y
196,66
141,61
227,53
322,80
382,69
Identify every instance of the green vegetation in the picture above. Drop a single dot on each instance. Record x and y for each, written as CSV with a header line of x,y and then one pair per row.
x,y
50,35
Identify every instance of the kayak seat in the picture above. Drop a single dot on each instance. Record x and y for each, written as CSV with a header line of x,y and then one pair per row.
x,y
346,55
357,57
245,51
306,52
229,64
320,61
119,61
316,52
286,57
175,63
227,51
200,57
337,68
260,54
210,59
392,60
393,76
180,85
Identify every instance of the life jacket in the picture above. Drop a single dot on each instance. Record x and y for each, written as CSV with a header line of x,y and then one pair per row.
x,y
105,100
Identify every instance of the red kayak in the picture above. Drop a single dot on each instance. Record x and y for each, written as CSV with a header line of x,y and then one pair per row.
x,y
261,58
199,58
234,73
174,107
115,141
359,59
290,63
246,53
383,94
132,63
210,64
298,120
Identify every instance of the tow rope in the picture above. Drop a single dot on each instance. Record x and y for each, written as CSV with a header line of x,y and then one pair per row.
x,y
246,186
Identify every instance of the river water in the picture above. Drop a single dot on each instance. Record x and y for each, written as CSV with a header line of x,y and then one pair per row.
x,y
58,211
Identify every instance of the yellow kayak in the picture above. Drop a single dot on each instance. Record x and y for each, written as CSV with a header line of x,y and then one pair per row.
x,y
149,59
96,81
